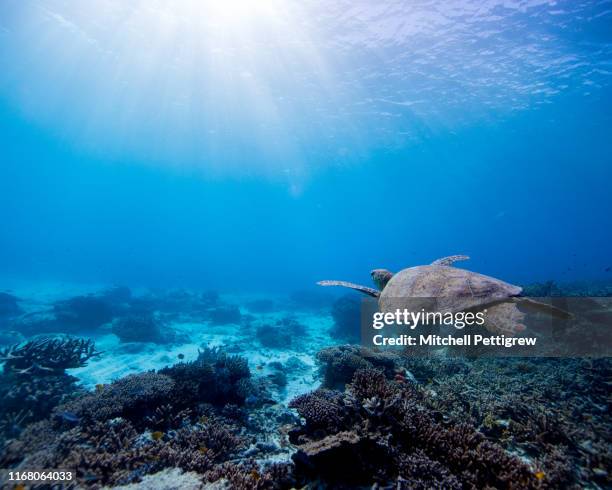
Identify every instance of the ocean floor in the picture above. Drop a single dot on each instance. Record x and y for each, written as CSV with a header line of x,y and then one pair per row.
x,y
119,359
269,391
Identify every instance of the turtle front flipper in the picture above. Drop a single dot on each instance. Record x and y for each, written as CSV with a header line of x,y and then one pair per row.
x,y
448,261
356,287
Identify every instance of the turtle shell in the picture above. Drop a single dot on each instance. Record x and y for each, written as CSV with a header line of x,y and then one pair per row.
x,y
442,288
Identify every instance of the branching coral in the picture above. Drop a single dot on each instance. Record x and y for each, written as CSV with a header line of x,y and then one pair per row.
x,y
132,397
166,417
339,363
394,437
34,381
47,356
322,409
551,410
214,377
113,452
248,475
34,395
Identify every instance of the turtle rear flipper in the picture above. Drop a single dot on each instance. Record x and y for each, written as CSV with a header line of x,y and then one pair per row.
x,y
356,287
450,260
544,308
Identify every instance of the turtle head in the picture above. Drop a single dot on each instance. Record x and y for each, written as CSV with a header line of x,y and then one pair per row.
x,y
381,277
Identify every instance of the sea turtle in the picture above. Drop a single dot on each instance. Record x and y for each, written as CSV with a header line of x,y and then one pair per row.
x,y
441,287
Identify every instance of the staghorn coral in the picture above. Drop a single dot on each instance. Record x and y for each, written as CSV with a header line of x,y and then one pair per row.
x,y
322,409
338,364
248,475
214,377
34,382
142,424
417,471
47,356
12,423
35,396
166,417
553,412
115,450
393,436
166,399
131,397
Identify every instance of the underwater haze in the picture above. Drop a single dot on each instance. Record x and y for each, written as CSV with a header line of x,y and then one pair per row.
x,y
261,146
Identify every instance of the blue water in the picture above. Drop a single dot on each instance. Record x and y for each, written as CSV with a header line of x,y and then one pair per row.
x,y
262,148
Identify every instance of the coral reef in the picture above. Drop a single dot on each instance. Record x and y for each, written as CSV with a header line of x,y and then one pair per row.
x,y
145,328
114,452
284,333
391,437
214,377
176,304
324,410
33,381
131,397
33,396
47,356
247,475
339,363
380,419
273,337
146,423
552,411
571,289
82,312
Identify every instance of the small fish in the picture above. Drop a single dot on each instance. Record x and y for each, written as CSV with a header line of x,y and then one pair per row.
x,y
181,356
540,475
157,435
255,475
203,450
608,269
259,367
70,417
19,486
99,387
